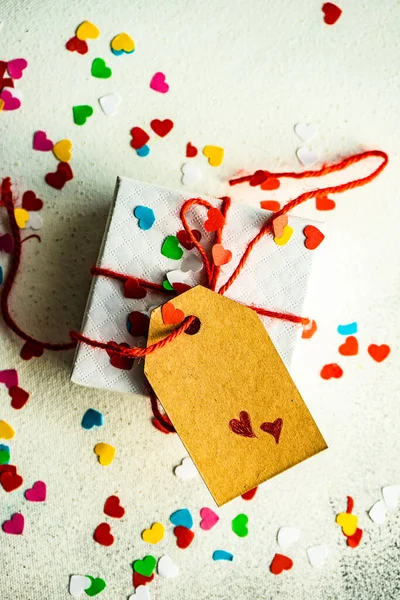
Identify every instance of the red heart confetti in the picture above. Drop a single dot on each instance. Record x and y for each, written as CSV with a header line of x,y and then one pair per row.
x,y
4,81
272,183
215,220
161,128
331,370
103,536
139,138
180,288
250,494
77,45
30,350
19,397
350,505
118,360
191,150
185,241
113,508
133,289
138,324
8,469
271,205
314,237
379,353
139,579
6,243
58,179
258,178
350,347
10,481
354,540
184,536
331,13
274,428
324,203
242,426
280,563
171,315
31,202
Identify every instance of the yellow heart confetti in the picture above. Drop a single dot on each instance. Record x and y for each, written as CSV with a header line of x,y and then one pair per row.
x,y
153,535
21,217
215,155
87,30
105,452
348,522
62,150
285,237
2,103
123,43
6,431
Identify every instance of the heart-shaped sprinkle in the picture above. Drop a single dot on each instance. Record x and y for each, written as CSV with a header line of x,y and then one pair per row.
x,y
191,151
35,221
391,496
161,128
58,179
279,224
184,536
97,585
306,131
314,237
191,174
309,330
306,156
16,67
41,142
21,217
215,220
62,150
239,525
271,205
113,508
221,256
271,183
243,425
331,370
140,593
10,481
138,579
145,566
158,83
5,454
6,431
7,468
6,243
250,494
15,525
138,324
166,567
122,43
377,513
186,470
280,563
86,31
322,202
139,138
350,347
133,289
274,428
184,240
285,238
208,518
103,535
9,377
348,522
143,151
19,397
192,263
119,361
109,103
215,155
354,540
258,178
175,276
78,584
145,217
331,13
81,113
222,555
31,202
92,418
10,100
105,452
287,536
30,350
171,249
37,493
171,315
100,69
317,555
155,534
378,353
76,45
182,517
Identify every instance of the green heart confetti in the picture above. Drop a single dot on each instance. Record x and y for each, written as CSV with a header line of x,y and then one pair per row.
x,y
81,113
4,454
98,584
100,69
239,525
146,566
171,248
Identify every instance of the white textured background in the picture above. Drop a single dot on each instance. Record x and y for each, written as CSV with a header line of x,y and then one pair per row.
x,y
241,75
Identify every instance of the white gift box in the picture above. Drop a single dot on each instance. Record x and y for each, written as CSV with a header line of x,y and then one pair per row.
x,y
275,277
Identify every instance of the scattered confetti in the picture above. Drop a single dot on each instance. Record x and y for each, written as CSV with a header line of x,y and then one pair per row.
x,y
159,84
285,238
86,31
6,243
184,536
306,132
239,525
133,289
15,525
9,376
271,205
379,353
100,70
30,350
138,324
31,202
348,522
221,255
97,585
58,179
166,567
350,347
331,370
141,593
109,104
171,315
105,452
113,508
191,151
11,102
182,517
186,470
279,224
161,128
78,584
349,329
5,454
139,579
155,534
62,150
41,142
10,481
16,67
143,151
37,493
391,496
92,418
118,360
21,217
145,217
81,113
176,276
145,566
191,174
208,518
215,220
250,494
280,563
139,138
287,536
222,555
377,513
314,237
331,13
19,397
171,249
35,221
354,540
6,431
103,535
317,555
192,263
322,202
309,330
122,43
306,156
215,155
76,45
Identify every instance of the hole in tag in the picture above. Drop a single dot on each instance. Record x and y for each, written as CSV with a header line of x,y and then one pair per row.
x,y
194,327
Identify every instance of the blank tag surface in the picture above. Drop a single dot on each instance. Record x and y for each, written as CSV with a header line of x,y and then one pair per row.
x,y
229,395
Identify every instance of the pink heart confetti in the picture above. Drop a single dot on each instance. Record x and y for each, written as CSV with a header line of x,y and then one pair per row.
x,y
41,142
9,377
158,83
15,525
16,67
208,518
10,101
37,493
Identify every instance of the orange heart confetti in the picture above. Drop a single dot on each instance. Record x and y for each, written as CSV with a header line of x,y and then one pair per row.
x,y
279,224
171,315
221,255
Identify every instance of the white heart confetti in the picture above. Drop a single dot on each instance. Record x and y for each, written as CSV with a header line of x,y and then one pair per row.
x,y
306,131
192,263
306,156
109,104
166,567
186,470
317,555
141,593
35,221
391,496
191,174
288,536
78,584
176,277
377,513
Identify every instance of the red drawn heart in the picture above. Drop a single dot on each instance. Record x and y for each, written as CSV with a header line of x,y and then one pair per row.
x,y
31,349
331,13
31,202
272,183
331,370
7,469
309,330
314,237
139,138
271,205
354,540
161,128
19,397
171,315
191,150
243,426
113,508
58,179
102,535
379,353
215,220
118,360
250,494
77,45
184,536
139,579
6,243
324,203
258,178
139,324
350,347
10,481
274,428
280,563
133,289
185,241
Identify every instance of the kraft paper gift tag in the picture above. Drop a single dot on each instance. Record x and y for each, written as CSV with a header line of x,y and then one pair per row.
x,y
229,395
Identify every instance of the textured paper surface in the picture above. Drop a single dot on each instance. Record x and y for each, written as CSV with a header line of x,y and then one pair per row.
x,y
275,277
207,379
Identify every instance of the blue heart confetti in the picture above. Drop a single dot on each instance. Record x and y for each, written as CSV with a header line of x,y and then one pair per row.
x,y
145,217
349,329
92,418
143,151
222,555
182,517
